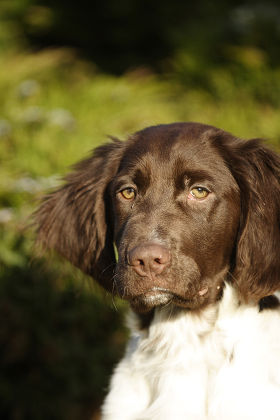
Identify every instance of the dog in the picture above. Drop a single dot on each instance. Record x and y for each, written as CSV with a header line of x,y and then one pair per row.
x,y
183,221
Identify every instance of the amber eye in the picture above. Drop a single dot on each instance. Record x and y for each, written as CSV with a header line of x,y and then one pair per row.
x,y
128,193
199,192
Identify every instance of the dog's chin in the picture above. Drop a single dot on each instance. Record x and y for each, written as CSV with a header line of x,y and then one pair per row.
x,y
150,300
161,297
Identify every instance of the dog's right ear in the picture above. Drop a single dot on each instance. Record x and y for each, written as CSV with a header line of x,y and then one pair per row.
x,y
74,220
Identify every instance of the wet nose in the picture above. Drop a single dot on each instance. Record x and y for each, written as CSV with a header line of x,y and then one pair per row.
x,y
149,258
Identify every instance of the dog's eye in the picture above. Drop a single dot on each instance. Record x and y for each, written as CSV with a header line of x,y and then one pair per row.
x,y
199,192
128,193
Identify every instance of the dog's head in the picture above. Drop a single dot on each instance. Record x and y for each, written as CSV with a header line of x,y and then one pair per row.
x,y
186,205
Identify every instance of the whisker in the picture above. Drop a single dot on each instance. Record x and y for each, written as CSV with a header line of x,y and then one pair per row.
x,y
232,276
107,267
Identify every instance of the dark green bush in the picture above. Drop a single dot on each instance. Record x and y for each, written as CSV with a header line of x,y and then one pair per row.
x,y
57,346
120,34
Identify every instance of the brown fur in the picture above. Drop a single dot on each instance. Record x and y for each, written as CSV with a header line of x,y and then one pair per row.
x,y
233,234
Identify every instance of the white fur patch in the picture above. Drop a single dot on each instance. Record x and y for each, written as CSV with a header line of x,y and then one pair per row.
x,y
220,364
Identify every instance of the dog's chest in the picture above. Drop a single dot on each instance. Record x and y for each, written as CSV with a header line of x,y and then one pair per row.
x,y
222,364
174,362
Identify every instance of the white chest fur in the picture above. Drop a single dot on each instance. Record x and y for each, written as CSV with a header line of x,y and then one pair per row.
x,y
221,364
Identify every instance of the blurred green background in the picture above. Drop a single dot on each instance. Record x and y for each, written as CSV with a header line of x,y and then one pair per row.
x,y
70,74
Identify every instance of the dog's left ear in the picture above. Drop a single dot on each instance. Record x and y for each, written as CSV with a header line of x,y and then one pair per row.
x,y
74,220
257,258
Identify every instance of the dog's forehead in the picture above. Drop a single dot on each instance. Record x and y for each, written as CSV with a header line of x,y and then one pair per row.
x,y
165,138
182,145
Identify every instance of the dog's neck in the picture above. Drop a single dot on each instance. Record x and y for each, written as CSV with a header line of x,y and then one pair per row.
x,y
205,319
188,364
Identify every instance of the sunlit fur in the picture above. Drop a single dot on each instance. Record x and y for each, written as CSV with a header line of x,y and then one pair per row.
x,y
199,350
220,364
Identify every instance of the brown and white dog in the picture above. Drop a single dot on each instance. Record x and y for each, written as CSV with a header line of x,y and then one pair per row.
x,y
194,213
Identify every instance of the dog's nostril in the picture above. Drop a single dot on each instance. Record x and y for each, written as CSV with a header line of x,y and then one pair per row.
x,y
149,258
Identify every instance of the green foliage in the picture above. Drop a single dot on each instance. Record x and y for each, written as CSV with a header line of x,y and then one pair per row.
x,y
59,338
57,347
133,33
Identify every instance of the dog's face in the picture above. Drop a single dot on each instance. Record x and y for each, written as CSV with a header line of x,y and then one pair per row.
x,y
176,211
187,205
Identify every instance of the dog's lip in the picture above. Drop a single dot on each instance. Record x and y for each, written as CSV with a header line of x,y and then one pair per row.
x,y
151,298
153,293
158,296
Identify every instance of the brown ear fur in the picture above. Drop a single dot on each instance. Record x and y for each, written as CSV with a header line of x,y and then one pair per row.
x,y
74,219
257,258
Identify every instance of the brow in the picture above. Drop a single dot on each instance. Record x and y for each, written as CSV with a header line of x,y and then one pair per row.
x,y
196,175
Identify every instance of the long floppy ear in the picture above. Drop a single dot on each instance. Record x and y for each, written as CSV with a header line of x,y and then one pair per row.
x,y
74,220
257,258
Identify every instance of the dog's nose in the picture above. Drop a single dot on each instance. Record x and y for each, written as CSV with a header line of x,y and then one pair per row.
x,y
149,258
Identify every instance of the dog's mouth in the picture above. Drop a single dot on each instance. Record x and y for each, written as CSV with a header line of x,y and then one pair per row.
x,y
162,297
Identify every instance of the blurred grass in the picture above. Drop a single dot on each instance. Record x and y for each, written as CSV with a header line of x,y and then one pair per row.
x,y
55,350
70,108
